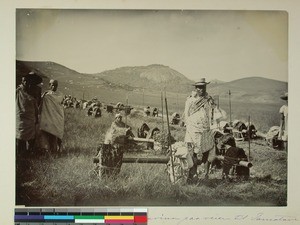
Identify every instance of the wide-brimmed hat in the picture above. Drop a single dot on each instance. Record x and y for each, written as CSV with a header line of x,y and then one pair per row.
x,y
33,78
284,96
201,82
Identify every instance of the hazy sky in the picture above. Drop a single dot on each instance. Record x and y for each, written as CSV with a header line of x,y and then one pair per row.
x,y
224,45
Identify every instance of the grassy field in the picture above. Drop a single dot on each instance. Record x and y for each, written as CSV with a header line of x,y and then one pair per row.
x,y
64,179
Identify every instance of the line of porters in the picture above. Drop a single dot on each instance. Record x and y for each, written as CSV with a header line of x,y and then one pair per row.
x,y
239,129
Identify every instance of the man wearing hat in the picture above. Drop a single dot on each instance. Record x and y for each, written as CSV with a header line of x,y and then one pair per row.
x,y
283,132
198,115
27,98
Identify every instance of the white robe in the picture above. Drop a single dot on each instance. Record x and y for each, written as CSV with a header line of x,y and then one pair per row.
x,y
197,122
52,114
283,134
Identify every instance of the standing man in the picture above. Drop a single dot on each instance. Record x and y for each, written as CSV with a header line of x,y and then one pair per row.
x,y
51,119
27,112
283,132
198,116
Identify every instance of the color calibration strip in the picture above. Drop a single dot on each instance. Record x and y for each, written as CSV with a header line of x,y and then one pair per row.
x,y
69,216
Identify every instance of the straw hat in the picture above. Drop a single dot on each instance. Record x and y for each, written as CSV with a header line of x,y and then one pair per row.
x,y
202,82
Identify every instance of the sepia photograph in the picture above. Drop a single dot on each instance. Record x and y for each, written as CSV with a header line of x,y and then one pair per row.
x,y
143,107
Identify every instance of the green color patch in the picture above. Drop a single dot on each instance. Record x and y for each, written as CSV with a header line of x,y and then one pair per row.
x,y
89,217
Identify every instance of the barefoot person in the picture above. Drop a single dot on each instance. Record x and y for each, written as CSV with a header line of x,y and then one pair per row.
x,y
198,118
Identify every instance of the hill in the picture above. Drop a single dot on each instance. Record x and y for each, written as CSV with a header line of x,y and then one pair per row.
x,y
152,77
49,69
149,80
253,89
70,81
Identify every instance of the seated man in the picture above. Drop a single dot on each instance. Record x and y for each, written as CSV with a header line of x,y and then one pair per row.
x,y
147,111
232,156
155,112
117,131
175,118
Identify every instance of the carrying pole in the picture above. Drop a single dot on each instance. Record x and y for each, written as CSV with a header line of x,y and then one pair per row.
x,y
162,110
218,100
230,121
169,139
249,136
177,104
143,98
126,109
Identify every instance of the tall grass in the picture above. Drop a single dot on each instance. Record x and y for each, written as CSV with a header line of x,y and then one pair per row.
x,y
64,180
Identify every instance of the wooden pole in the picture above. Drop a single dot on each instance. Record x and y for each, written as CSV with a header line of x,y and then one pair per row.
x,y
161,160
148,140
230,122
143,98
241,162
218,107
136,159
162,110
169,138
249,136
177,104
126,109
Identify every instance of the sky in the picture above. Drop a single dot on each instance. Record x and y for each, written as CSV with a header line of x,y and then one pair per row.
x,y
223,45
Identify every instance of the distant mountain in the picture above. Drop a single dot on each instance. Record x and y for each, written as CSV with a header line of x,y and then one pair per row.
x,y
151,79
70,81
48,70
253,89
216,81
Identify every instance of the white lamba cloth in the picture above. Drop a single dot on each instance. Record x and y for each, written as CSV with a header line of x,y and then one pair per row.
x,y
26,115
52,115
283,134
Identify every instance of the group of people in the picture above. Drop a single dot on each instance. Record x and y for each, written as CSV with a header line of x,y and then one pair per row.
x,y
70,102
39,117
147,111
